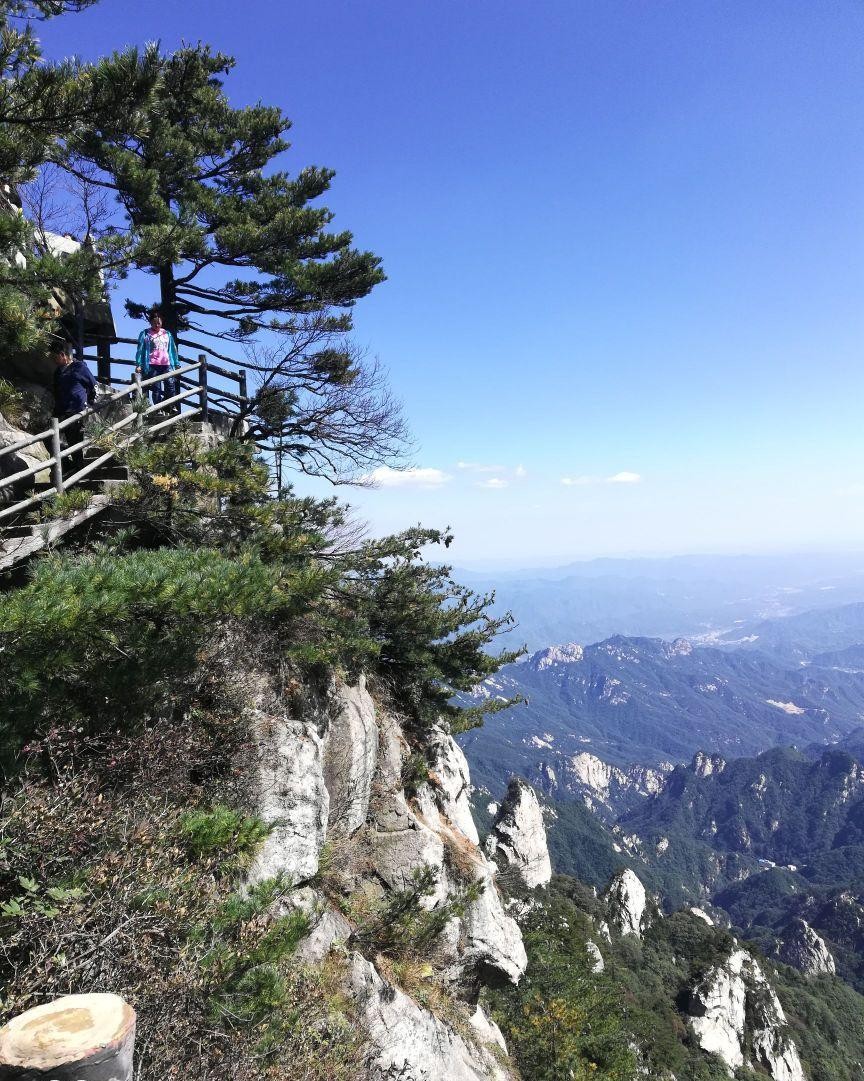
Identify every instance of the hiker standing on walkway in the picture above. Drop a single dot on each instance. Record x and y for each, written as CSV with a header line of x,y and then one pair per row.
x,y
74,390
157,355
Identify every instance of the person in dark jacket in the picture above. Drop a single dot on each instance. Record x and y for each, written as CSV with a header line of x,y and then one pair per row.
x,y
74,390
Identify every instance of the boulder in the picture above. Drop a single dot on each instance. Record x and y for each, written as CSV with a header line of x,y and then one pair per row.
x,y
517,841
20,459
75,1038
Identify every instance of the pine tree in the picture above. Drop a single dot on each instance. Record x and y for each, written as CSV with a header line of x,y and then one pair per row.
x,y
246,260
41,104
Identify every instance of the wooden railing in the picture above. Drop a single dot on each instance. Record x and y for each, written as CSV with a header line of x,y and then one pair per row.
x,y
196,399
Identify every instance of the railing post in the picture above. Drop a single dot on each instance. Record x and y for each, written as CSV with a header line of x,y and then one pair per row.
x,y
139,420
241,375
57,467
103,361
203,400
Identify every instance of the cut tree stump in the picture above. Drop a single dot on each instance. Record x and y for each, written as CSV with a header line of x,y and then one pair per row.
x,y
75,1038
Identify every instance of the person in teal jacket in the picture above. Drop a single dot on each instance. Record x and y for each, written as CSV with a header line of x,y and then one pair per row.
x,y
157,355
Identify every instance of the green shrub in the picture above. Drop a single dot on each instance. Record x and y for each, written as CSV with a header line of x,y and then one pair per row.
x,y
222,831
68,503
402,927
11,402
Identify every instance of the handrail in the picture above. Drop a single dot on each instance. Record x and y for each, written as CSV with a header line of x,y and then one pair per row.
x,y
55,461
92,410
238,377
188,386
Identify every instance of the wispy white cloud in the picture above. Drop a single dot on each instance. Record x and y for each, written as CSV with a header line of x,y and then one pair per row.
x,y
493,482
479,467
521,471
624,477
385,477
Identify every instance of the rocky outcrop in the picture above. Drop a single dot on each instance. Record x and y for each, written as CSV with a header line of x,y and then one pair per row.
x,y
517,841
733,1007
595,957
292,796
492,948
446,799
332,776
569,653
604,788
704,765
626,903
802,948
717,1011
350,758
408,1043
701,914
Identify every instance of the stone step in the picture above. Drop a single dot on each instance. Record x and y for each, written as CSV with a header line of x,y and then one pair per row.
x,y
110,472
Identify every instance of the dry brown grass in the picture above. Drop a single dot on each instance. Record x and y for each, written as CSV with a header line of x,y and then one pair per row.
x,y
105,895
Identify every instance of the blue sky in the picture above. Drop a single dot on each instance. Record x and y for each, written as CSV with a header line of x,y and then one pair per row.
x,y
625,249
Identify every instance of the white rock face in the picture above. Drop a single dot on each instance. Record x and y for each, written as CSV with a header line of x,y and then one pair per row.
x,y
569,653
397,853
406,1043
338,775
802,948
599,782
701,914
773,1049
327,927
517,841
351,757
704,764
493,946
487,1030
733,998
292,797
450,790
626,901
596,957
717,1011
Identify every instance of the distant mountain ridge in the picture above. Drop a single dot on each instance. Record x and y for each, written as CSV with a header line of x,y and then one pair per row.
x,y
815,635
650,703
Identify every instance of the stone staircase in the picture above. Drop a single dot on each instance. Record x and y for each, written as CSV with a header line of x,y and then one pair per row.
x,y
31,532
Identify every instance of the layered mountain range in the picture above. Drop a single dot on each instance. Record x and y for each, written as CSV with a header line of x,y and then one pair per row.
x,y
648,703
728,776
